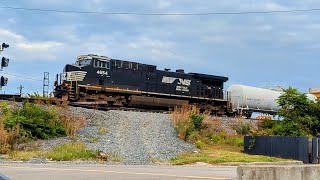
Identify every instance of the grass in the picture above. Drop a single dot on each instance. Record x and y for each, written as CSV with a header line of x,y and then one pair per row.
x,y
64,152
221,154
114,158
26,155
71,151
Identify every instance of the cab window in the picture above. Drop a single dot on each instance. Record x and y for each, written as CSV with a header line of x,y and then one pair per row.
x,y
102,64
84,62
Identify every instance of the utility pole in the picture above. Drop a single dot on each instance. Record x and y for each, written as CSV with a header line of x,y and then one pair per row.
x,y
20,87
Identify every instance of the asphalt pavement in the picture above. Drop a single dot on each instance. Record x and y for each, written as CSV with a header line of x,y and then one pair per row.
x,y
79,172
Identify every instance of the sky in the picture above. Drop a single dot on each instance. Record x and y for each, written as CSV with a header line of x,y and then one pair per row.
x,y
261,50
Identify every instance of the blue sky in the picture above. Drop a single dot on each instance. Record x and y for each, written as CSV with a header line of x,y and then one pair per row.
x,y
254,49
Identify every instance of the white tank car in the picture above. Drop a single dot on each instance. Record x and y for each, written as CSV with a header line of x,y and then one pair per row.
x,y
253,99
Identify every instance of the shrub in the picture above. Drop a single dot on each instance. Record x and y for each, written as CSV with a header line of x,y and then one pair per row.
x,y
35,122
197,121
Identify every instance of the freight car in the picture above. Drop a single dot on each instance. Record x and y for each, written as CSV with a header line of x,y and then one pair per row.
x,y
248,99
124,83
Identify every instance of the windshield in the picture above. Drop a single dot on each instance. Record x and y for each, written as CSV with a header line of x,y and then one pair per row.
x,y
84,62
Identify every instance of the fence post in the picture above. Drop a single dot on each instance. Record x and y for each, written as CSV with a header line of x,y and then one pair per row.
x,y
303,149
314,155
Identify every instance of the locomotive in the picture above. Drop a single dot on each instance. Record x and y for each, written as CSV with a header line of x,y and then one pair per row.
x,y
122,83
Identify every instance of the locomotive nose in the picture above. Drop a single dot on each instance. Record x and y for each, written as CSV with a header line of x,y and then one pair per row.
x,y
70,67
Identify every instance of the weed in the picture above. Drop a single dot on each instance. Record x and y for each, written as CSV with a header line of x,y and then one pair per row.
x,y
102,131
92,139
199,144
71,123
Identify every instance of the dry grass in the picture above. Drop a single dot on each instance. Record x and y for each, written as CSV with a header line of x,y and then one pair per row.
x,y
180,118
70,122
213,125
7,138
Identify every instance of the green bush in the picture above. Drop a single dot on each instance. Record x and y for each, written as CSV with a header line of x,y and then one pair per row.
x,y
199,144
243,129
197,121
35,122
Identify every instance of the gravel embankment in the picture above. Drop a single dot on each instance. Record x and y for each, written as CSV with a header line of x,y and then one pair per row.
x,y
136,137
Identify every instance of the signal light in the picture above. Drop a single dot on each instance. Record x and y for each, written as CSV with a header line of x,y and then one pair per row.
x,y
4,45
3,81
4,62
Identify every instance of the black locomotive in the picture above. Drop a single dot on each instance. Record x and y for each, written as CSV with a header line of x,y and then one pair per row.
x,y
130,84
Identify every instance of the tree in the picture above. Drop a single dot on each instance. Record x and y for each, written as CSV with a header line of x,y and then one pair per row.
x,y
300,115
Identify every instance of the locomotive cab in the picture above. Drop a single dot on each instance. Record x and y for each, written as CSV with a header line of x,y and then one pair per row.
x,y
84,61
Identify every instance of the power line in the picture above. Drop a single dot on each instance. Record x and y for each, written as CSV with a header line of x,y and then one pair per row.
x,y
160,14
23,77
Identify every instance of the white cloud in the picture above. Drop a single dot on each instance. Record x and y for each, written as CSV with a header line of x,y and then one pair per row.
x,y
23,49
8,35
39,46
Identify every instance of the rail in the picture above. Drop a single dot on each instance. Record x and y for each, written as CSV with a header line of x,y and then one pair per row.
x,y
100,105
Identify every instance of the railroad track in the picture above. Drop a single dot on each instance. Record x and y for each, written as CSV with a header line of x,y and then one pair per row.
x,y
88,105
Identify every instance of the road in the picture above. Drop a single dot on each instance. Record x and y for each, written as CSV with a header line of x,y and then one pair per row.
x,y
78,172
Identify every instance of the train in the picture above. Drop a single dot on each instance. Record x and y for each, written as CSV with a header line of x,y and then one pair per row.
x,y
122,83
125,83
